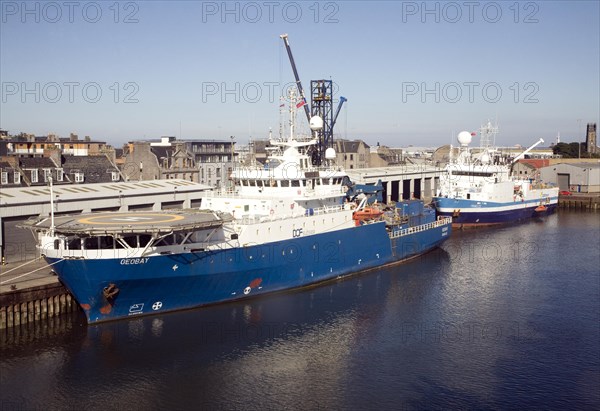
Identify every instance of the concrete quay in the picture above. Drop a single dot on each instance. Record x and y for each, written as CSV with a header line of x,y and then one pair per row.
x,y
30,292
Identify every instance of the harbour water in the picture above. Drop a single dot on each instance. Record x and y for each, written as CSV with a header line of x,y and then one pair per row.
x,y
498,318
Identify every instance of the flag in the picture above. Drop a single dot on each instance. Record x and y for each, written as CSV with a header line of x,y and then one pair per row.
x,y
473,134
301,103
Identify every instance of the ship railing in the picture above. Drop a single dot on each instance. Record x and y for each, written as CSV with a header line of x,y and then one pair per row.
x,y
441,221
259,218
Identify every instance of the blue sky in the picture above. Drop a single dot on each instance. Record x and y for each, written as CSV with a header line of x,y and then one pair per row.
x,y
414,73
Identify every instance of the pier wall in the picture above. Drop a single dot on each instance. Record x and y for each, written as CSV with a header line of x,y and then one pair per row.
x,y
35,304
579,202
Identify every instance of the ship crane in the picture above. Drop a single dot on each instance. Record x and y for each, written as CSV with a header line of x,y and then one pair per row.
x,y
339,108
522,155
286,42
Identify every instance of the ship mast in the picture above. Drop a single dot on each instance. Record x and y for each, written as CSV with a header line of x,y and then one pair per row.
x,y
51,207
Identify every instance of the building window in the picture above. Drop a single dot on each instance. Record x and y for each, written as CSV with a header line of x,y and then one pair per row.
x,y
4,177
351,157
115,176
17,177
47,174
59,174
34,176
218,172
79,177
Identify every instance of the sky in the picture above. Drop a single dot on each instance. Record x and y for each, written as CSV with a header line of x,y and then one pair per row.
x,y
414,73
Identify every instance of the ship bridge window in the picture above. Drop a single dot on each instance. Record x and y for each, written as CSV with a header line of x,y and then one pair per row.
x,y
326,181
179,238
252,183
144,239
285,183
74,243
295,183
167,240
131,240
472,173
90,243
106,242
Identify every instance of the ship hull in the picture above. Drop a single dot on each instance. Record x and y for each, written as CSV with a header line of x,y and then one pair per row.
x,y
468,213
156,284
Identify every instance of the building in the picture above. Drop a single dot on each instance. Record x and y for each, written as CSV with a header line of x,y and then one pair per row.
x,y
580,177
204,161
35,170
383,156
528,168
352,154
590,139
30,145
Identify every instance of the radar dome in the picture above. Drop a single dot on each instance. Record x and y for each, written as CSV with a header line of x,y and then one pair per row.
x,y
464,138
329,153
316,123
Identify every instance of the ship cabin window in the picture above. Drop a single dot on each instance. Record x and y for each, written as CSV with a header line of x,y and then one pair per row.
x,y
295,183
326,181
285,183
56,244
252,183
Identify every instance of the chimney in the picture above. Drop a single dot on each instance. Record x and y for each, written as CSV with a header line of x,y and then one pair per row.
x,y
54,154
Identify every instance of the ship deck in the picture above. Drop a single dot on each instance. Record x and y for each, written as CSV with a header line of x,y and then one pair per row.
x,y
154,222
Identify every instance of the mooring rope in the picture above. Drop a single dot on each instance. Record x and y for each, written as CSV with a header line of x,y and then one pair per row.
x,y
22,265
31,272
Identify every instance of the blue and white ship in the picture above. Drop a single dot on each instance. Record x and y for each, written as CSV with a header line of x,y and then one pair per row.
x,y
286,225
477,189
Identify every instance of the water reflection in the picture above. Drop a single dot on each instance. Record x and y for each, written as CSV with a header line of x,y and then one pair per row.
x,y
484,322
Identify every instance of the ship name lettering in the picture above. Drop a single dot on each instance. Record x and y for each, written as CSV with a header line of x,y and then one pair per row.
x,y
130,261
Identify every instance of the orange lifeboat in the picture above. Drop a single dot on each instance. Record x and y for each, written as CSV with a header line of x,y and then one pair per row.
x,y
541,208
367,213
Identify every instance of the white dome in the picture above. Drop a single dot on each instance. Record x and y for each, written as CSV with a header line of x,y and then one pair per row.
x,y
485,159
464,138
316,123
330,154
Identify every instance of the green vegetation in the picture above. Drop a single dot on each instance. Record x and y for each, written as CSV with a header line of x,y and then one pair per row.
x,y
571,150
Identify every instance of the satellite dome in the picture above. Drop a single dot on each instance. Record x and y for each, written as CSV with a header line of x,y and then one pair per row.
x,y
329,153
316,123
464,138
